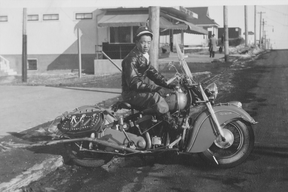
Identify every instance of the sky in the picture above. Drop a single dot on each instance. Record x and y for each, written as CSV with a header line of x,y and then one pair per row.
x,y
275,12
275,18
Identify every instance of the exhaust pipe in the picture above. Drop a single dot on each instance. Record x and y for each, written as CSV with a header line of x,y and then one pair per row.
x,y
100,142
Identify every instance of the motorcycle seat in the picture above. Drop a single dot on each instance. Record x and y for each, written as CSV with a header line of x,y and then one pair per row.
x,y
121,105
125,105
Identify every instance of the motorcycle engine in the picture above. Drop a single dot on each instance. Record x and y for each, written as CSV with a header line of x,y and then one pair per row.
x,y
176,101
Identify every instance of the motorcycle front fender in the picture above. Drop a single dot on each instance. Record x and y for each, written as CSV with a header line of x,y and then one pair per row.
x,y
202,135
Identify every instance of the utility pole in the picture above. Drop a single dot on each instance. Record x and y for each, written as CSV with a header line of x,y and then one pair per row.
x,y
255,14
171,32
182,40
226,34
24,47
79,53
154,22
260,38
264,34
246,25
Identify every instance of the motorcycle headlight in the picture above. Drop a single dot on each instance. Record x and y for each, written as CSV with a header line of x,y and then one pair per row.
x,y
211,91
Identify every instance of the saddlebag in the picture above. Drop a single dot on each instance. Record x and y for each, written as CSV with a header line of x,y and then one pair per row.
x,y
82,120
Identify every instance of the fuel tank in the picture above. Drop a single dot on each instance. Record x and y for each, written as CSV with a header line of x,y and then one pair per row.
x,y
176,101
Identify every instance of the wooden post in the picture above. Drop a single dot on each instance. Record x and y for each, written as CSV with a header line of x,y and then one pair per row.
x,y
154,22
24,47
246,25
171,39
226,34
182,40
255,41
79,53
260,38
264,36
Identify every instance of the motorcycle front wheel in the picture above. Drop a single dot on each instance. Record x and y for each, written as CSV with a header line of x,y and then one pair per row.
x,y
236,151
86,158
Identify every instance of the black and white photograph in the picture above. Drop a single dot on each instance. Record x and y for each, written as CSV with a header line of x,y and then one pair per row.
x,y
143,96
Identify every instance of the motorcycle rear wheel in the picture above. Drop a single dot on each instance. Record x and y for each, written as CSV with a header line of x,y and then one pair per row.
x,y
84,158
238,152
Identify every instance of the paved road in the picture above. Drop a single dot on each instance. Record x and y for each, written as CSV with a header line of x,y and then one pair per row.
x,y
24,107
262,86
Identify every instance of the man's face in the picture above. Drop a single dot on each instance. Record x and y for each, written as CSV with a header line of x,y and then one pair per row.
x,y
144,43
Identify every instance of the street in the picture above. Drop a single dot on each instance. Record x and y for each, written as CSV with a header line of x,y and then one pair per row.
x,y
262,86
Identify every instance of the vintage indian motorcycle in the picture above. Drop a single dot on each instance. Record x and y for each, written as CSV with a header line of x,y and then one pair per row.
x,y
221,133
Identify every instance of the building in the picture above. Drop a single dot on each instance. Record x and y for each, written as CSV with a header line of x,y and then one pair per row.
x,y
52,34
122,23
51,37
233,32
203,21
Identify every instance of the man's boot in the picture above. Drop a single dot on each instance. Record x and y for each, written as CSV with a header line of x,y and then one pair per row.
x,y
170,120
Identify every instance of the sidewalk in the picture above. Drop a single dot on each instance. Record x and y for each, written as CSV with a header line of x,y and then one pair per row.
x,y
24,107
192,58
28,111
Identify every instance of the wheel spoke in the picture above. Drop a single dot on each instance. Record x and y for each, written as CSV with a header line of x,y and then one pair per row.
x,y
236,145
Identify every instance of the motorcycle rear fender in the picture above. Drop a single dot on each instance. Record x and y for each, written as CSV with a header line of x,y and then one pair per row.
x,y
202,135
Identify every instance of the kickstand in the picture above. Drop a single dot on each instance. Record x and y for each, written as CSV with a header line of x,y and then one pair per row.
x,y
214,158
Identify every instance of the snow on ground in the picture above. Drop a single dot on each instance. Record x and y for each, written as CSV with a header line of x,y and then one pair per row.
x,y
244,52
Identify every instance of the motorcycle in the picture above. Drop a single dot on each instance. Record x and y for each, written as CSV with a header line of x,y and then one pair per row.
x,y
220,133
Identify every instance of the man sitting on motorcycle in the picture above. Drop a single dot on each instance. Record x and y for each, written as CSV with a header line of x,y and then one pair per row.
x,y
136,73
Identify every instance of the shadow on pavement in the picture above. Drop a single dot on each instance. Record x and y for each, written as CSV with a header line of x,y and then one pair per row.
x,y
39,133
168,158
89,89
281,152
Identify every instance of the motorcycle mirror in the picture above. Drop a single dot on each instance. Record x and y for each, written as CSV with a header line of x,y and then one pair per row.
x,y
170,65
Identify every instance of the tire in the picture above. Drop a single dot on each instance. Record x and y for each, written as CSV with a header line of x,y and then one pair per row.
x,y
86,159
238,152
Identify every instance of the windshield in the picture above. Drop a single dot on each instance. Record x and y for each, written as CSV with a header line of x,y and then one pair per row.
x,y
183,63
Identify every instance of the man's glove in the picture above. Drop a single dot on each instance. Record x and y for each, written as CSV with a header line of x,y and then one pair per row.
x,y
171,86
160,90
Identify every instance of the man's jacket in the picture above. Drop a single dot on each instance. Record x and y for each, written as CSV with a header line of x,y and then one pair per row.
x,y
213,42
135,72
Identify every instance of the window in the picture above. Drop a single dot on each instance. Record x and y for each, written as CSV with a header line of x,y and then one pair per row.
x,y
50,17
32,17
3,18
135,30
122,34
32,64
82,16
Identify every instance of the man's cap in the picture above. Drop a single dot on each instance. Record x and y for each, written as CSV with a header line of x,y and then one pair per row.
x,y
143,30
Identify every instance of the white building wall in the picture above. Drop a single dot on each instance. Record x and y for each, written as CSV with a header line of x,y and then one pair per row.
x,y
190,39
47,37
11,31
52,42
195,39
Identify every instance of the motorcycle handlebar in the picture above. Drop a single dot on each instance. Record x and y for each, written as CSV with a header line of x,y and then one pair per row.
x,y
171,80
